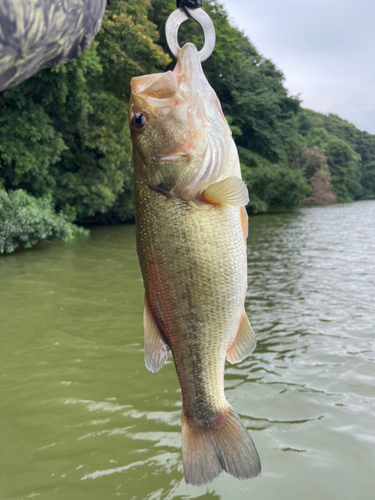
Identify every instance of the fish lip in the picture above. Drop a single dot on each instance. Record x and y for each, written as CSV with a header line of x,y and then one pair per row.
x,y
142,84
159,85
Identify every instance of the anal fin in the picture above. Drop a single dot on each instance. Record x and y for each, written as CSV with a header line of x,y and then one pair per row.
x,y
156,350
245,342
230,191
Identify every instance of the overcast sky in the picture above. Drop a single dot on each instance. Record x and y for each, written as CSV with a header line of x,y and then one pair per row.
x,y
325,48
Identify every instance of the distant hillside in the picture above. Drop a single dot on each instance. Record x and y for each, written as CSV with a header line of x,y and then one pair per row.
x,y
350,153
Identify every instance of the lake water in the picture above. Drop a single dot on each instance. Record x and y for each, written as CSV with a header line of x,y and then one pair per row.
x,y
81,418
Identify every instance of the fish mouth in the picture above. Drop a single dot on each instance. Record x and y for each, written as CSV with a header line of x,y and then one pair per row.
x,y
166,85
158,86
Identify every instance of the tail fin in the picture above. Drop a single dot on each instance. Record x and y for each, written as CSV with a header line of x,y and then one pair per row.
x,y
208,450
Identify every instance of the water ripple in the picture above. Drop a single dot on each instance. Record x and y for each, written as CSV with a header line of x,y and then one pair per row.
x,y
81,417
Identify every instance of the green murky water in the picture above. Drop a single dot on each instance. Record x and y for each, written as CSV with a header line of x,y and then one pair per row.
x,y
81,418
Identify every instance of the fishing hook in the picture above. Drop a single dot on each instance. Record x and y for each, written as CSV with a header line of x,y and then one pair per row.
x,y
186,9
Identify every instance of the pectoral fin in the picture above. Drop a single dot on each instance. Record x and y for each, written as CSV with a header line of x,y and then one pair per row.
x,y
244,343
156,350
230,191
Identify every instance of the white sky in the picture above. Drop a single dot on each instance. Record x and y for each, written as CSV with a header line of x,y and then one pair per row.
x,y
325,48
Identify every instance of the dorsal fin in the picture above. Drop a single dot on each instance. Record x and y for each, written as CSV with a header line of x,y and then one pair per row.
x,y
230,191
156,350
245,342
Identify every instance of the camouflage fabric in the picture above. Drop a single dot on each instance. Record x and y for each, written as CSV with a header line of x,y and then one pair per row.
x,y
38,34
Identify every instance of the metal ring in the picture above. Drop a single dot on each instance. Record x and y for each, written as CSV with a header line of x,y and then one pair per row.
x,y
178,17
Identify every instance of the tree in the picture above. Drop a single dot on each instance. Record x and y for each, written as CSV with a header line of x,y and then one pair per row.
x,y
319,129
64,133
344,169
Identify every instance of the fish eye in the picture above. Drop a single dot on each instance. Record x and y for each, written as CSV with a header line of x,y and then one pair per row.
x,y
139,121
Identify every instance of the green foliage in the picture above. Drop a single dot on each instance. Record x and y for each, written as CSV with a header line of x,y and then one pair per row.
x,y
368,181
317,137
271,185
65,145
309,160
25,220
127,46
236,131
64,132
344,163
262,110
351,166
344,166
29,144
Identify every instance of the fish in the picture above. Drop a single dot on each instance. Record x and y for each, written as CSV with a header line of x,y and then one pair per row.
x,y
191,230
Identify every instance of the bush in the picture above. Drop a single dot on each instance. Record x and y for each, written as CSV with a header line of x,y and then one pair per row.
x,y
271,185
24,220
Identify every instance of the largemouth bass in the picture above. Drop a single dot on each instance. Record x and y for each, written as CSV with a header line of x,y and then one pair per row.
x,y
191,243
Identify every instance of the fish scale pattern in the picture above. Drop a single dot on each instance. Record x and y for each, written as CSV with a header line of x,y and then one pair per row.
x,y
193,260
37,34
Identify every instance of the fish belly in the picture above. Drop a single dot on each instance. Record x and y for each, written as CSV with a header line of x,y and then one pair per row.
x,y
193,260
